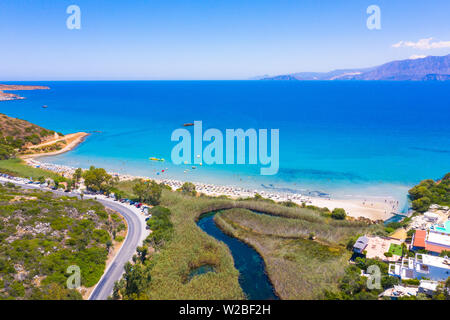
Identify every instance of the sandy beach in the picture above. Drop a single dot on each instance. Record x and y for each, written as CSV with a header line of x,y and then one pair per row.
x,y
381,209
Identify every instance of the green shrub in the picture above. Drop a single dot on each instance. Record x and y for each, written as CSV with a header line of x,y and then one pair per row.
x,y
413,282
338,214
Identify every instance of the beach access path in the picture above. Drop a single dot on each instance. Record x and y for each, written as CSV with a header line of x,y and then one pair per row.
x,y
136,234
72,141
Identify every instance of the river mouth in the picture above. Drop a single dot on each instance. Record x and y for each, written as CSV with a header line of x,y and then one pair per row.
x,y
253,278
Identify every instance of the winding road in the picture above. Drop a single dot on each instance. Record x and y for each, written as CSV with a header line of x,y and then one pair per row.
x,y
136,232
105,286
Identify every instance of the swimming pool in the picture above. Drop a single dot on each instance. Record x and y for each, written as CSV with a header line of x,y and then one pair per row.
x,y
445,228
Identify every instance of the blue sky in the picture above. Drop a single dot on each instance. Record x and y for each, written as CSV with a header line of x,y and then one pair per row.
x,y
211,39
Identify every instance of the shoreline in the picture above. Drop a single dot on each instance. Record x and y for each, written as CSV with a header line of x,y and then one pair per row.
x,y
371,209
73,139
11,87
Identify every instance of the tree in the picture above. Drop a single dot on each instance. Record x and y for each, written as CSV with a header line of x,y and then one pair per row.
x,y
148,191
142,253
421,204
428,192
137,278
445,253
6,151
338,214
118,194
118,286
55,291
97,179
77,175
140,189
70,185
404,250
161,226
351,242
189,189
447,289
108,244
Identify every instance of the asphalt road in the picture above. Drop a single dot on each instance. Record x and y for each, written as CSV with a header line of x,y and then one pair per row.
x,y
136,224
105,286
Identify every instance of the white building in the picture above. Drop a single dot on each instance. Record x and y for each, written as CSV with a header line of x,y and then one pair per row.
x,y
431,216
428,287
422,265
399,291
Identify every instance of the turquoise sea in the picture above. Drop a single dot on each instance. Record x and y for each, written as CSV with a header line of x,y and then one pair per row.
x,y
347,139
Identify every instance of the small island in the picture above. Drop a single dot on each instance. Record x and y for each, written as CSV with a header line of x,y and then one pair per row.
x,y
11,96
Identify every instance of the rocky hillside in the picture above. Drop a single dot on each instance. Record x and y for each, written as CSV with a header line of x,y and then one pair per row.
x,y
41,235
16,134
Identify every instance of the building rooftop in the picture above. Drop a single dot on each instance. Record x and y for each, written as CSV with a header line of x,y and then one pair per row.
x,y
439,238
429,285
431,215
435,248
400,291
419,238
378,246
434,261
361,243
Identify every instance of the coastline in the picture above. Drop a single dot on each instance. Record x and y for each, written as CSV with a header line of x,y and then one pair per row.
x,y
11,96
371,209
73,140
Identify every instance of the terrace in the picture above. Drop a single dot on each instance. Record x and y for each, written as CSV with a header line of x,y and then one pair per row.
x,y
378,246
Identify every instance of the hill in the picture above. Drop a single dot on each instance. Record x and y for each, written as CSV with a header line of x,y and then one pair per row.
x,y
17,134
429,192
432,68
41,235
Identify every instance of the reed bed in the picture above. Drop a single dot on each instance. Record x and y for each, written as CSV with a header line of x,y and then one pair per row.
x,y
297,267
190,247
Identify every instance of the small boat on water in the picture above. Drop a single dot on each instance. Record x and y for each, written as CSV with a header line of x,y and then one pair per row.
x,y
45,106
188,124
156,159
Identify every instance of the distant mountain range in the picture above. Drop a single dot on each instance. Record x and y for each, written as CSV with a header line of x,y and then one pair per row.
x,y
431,68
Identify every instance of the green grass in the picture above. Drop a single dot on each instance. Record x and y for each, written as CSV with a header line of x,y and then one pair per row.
x,y
191,248
18,168
395,249
298,268
127,187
